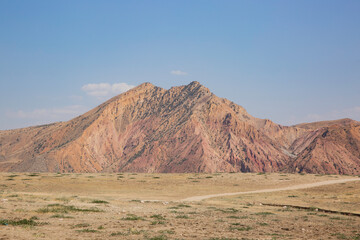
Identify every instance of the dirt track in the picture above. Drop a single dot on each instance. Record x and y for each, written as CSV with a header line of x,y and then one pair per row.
x,y
116,206
295,187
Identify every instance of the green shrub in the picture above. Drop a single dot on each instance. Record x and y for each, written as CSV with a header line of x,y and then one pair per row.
x,y
132,217
99,201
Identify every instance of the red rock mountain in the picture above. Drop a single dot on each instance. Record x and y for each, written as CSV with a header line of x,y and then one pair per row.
x,y
183,129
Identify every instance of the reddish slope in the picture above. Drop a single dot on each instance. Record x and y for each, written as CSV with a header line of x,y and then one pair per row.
x,y
334,150
150,129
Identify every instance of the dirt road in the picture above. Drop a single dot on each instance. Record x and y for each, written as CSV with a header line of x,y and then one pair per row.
x,y
295,187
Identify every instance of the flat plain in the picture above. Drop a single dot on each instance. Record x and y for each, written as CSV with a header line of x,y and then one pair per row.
x,y
162,206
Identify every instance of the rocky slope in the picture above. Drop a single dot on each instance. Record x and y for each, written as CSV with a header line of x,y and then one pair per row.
x,y
183,129
334,149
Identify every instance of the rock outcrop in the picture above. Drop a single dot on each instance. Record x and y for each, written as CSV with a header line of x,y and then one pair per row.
x,y
183,129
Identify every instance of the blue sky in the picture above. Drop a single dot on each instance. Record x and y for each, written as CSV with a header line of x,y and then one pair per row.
x,y
289,61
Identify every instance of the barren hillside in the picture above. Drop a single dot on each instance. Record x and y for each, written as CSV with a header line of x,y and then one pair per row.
x,y
183,129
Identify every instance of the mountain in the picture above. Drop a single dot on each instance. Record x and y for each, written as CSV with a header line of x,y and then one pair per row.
x,y
183,129
316,125
334,149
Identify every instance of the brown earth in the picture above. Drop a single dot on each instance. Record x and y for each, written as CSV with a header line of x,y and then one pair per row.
x,y
183,129
120,206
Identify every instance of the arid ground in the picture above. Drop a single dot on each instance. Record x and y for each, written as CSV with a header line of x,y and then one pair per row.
x,y
162,206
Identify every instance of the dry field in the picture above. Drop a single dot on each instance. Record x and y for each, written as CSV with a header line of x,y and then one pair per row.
x,y
152,206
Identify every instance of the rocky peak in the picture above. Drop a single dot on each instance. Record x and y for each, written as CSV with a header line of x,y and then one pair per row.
x,y
145,85
183,129
197,87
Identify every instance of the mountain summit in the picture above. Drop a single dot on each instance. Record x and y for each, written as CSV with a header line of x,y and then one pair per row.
x,y
183,129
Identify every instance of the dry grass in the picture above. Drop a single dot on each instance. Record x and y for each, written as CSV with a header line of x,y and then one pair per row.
x,y
104,206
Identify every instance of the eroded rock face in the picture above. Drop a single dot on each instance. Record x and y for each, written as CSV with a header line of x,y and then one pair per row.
x,y
183,129
334,150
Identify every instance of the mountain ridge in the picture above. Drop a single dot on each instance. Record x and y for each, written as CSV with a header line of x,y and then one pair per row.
x,y
182,129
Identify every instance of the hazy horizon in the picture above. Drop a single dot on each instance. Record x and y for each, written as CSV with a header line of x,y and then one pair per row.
x,y
290,62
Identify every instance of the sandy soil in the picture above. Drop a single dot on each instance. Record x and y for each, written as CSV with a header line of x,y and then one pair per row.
x,y
117,206
296,187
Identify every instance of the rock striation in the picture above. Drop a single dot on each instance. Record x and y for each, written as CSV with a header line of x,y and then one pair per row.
x,y
183,129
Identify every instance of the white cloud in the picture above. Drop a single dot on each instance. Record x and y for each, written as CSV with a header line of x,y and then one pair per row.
x,y
178,72
118,88
103,90
50,114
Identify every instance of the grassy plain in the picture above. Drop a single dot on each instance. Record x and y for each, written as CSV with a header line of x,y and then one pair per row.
x,y
151,206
